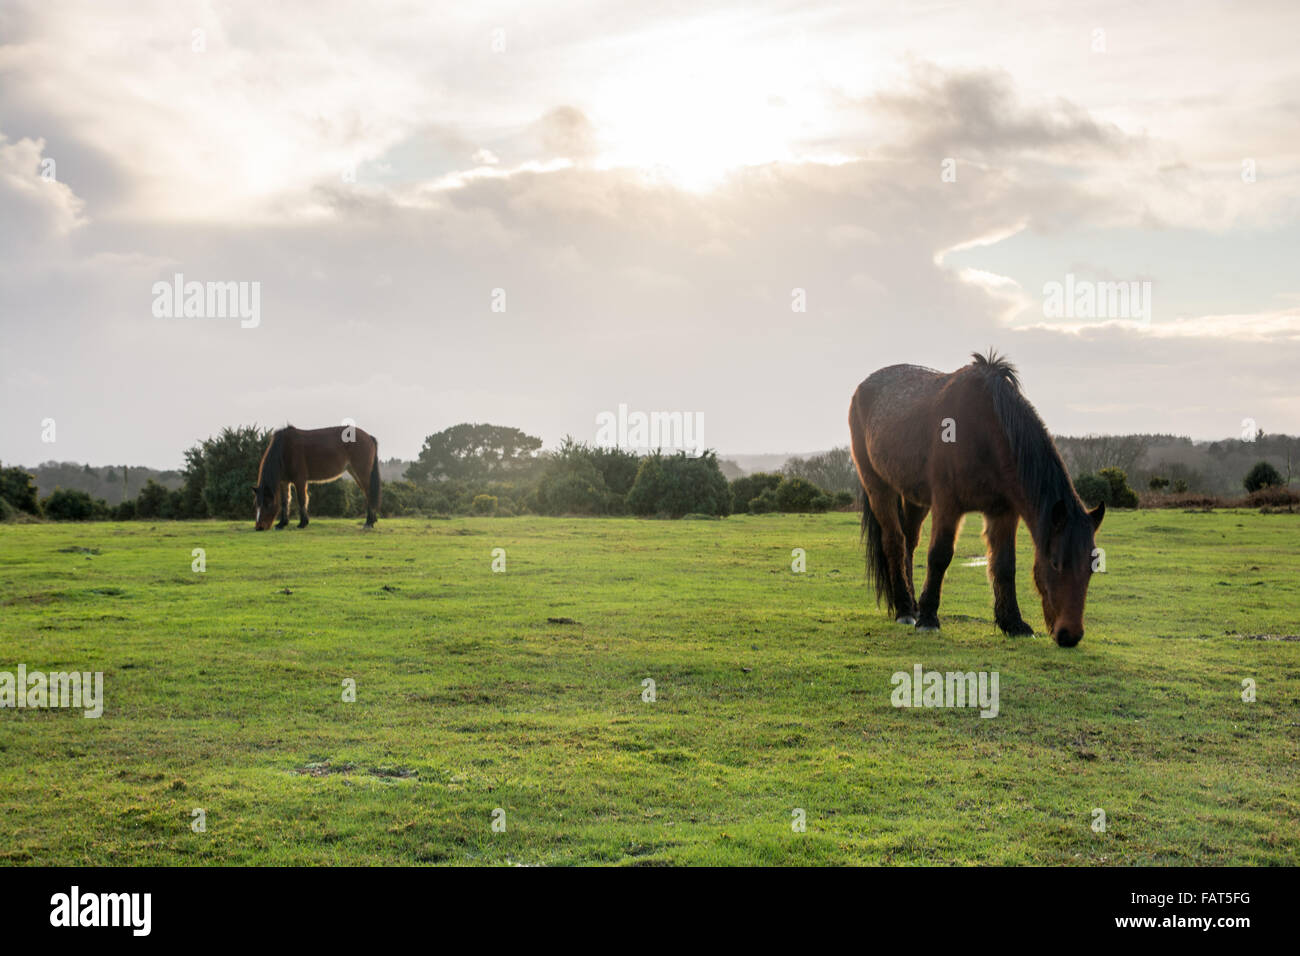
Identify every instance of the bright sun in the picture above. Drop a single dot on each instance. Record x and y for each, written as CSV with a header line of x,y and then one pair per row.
x,y
699,114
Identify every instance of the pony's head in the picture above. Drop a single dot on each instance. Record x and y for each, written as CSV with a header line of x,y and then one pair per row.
x,y
266,497
1063,566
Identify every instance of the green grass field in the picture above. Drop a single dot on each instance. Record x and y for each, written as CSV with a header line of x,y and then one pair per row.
x,y
223,691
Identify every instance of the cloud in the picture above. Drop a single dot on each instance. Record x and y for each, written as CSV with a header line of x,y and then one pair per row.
x,y
979,113
34,205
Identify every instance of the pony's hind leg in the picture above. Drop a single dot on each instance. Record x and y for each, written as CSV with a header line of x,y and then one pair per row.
x,y
301,488
887,555
913,518
1000,535
943,534
284,505
370,505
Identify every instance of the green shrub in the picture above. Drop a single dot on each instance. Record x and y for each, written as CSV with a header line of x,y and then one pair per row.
x,y
7,511
1121,495
1093,489
485,504
152,502
797,494
18,487
763,503
230,470
68,505
1262,475
336,499
677,484
745,489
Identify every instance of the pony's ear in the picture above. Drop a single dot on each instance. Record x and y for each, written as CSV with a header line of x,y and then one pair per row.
x,y
1058,515
1096,514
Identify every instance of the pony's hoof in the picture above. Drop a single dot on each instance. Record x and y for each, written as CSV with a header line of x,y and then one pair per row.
x,y
906,619
302,525
1018,629
927,624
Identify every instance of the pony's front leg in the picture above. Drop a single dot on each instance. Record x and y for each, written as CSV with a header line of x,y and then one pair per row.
x,y
1000,534
284,506
943,534
301,487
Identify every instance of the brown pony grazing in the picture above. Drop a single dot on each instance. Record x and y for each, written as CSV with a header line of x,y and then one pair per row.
x,y
297,456
967,441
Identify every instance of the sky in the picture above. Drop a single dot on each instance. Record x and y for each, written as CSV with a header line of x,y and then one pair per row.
x,y
531,214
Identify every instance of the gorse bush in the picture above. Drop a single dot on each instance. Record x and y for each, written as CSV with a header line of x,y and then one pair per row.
x,y
1262,475
798,494
746,489
67,505
18,488
152,502
1109,486
676,485
1093,489
1121,495
230,470
581,479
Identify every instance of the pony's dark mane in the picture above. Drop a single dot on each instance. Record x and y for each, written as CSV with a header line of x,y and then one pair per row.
x,y
268,473
1039,466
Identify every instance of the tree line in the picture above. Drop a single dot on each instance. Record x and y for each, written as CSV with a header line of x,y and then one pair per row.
x,y
498,470
466,469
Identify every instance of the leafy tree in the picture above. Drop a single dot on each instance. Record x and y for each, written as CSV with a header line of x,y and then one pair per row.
x,y
474,452
1157,483
1262,475
18,487
832,470
230,470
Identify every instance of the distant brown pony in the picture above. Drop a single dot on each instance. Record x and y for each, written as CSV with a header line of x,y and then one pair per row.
x,y
297,456
947,444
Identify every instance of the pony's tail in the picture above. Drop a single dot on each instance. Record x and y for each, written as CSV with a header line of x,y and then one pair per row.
x,y
877,563
878,572
375,485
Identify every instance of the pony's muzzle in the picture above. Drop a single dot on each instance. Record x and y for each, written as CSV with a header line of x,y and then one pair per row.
x,y
1064,637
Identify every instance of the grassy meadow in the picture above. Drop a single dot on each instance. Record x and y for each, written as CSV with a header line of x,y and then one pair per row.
x,y
224,691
